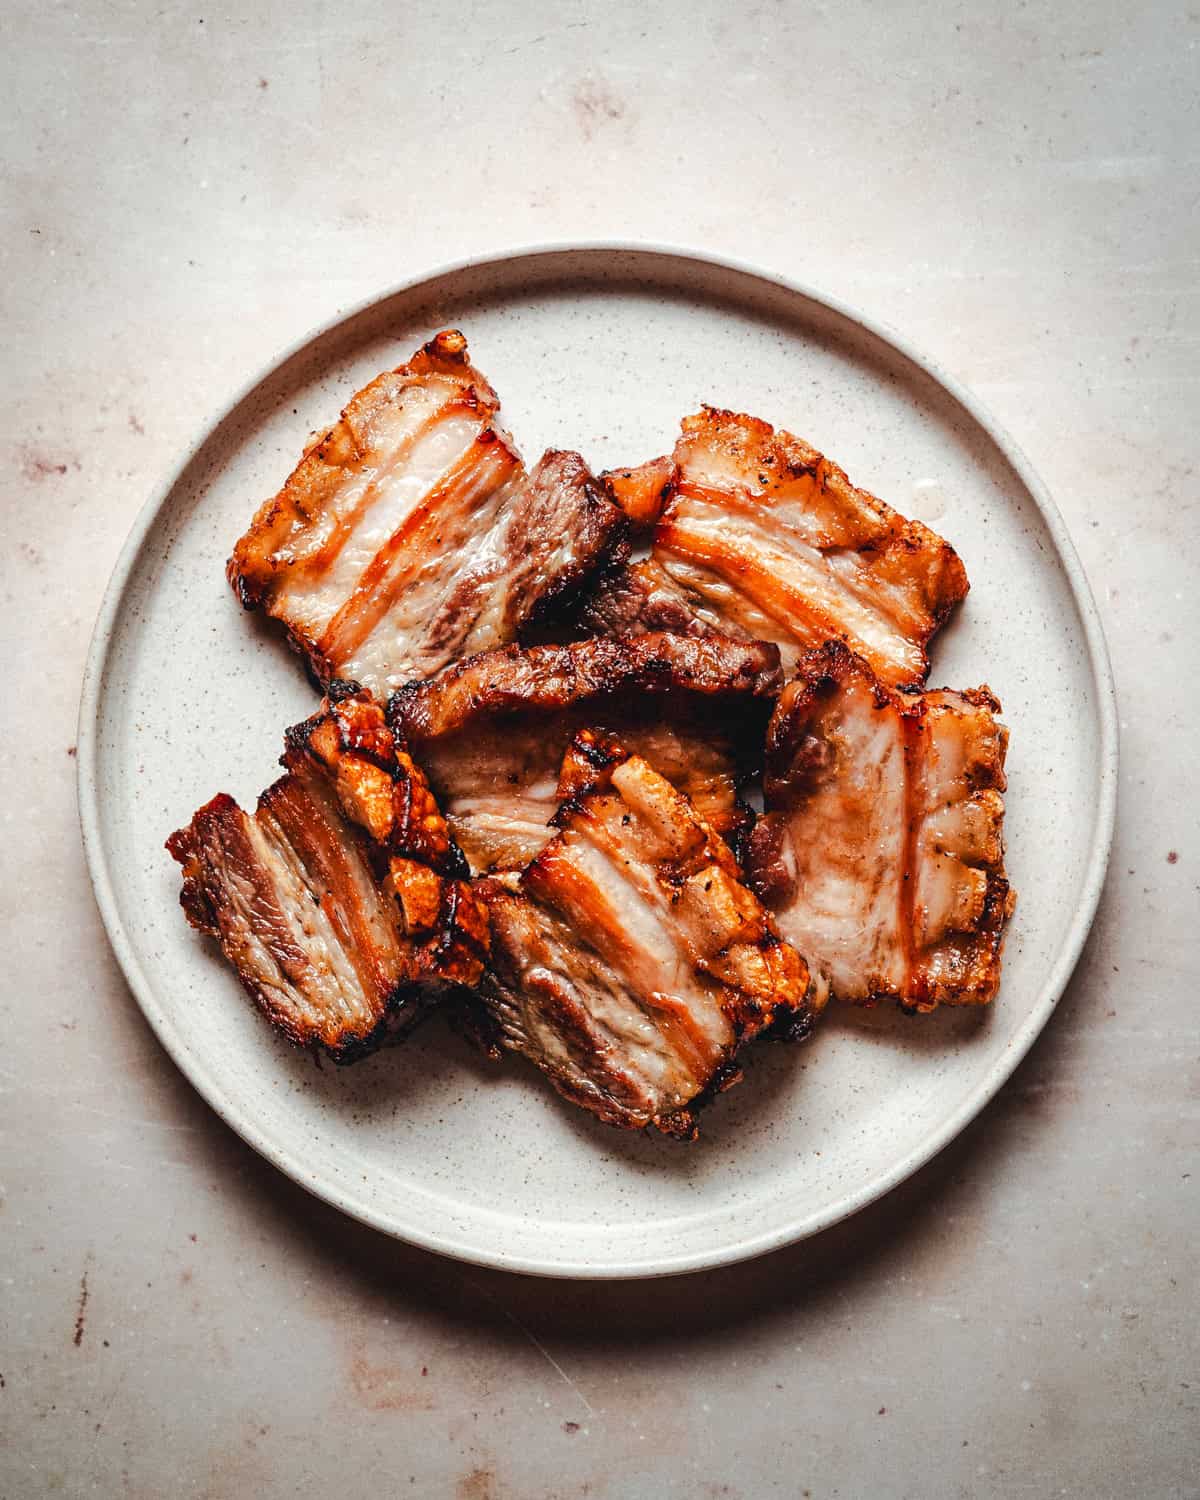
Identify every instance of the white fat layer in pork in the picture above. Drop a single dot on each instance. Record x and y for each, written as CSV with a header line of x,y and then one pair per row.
x,y
389,490
847,853
625,915
796,576
326,980
558,966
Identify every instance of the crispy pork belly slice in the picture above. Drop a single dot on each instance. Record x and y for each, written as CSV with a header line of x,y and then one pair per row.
x,y
628,961
882,851
555,676
410,533
765,539
340,902
491,731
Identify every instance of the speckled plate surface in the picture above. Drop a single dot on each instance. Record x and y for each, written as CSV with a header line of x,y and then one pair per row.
x,y
602,349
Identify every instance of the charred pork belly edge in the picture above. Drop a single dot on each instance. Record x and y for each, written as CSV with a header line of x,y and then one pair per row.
x,y
364,831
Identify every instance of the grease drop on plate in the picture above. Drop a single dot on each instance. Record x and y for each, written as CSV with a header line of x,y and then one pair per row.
x,y
928,501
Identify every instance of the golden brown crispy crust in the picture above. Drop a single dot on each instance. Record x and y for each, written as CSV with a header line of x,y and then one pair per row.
x,y
547,677
641,491
940,773
383,790
379,785
579,988
342,902
587,766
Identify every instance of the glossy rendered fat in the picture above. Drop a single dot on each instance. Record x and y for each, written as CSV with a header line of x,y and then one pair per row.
x,y
423,595
498,782
609,1054
414,449
614,901
845,855
769,576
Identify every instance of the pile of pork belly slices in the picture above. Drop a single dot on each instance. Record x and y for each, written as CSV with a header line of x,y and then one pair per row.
x,y
550,699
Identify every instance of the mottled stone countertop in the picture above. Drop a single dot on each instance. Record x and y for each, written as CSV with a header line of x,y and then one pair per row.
x,y
188,189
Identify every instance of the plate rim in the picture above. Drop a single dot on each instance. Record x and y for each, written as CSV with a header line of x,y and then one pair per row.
x,y
288,1160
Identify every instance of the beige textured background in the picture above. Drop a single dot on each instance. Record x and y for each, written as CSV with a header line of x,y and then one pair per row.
x,y
185,190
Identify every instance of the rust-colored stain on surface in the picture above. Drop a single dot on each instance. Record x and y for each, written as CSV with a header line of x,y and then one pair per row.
x,y
385,1387
81,1311
479,1484
36,464
238,1468
595,104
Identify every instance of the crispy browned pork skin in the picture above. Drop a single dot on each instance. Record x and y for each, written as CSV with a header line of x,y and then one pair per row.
x,y
764,539
491,731
628,961
341,901
882,851
411,534
641,491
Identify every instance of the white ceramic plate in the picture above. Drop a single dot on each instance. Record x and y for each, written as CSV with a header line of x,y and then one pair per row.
x,y
602,349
